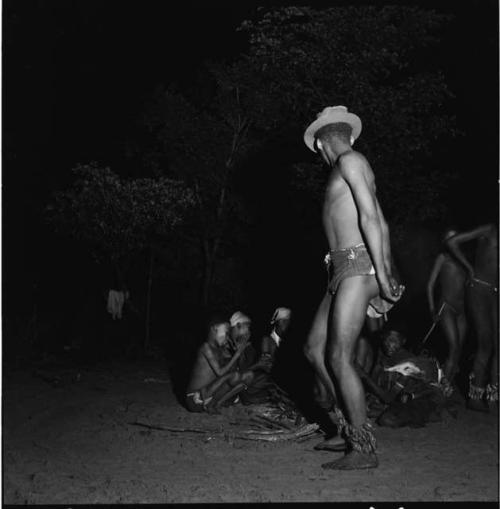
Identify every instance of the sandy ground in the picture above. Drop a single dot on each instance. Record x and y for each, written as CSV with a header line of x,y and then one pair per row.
x,y
73,443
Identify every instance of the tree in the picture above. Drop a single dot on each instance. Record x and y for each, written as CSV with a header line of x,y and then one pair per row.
x,y
375,61
200,138
117,218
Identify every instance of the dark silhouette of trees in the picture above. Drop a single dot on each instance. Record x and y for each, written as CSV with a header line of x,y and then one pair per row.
x,y
116,219
200,139
377,62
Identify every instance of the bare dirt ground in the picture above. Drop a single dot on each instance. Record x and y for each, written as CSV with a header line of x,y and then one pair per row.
x,y
73,443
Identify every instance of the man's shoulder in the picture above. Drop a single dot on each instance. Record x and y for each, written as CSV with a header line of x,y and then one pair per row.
x,y
352,156
352,161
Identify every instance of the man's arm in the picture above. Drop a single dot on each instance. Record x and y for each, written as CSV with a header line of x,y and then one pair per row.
x,y
432,280
386,239
459,238
351,168
214,362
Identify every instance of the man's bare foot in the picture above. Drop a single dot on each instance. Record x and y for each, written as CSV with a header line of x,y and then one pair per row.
x,y
353,461
334,444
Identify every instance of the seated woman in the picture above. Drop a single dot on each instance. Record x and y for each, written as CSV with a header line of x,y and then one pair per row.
x,y
413,385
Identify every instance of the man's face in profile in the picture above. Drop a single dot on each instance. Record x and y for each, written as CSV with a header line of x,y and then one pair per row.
x,y
221,333
241,331
281,326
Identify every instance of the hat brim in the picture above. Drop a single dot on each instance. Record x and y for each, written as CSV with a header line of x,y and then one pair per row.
x,y
331,118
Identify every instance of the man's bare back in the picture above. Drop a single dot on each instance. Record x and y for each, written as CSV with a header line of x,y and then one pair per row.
x,y
486,258
340,214
452,282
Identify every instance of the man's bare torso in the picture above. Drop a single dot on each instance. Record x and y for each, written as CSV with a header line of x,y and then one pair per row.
x,y
486,257
340,214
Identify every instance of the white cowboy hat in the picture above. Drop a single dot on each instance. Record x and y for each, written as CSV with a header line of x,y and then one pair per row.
x,y
331,115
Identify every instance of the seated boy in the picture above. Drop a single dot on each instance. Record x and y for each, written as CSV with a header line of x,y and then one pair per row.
x,y
214,379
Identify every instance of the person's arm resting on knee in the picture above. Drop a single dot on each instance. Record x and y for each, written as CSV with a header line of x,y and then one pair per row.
x,y
214,363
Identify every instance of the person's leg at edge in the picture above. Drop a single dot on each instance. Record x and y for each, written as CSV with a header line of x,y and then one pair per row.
x,y
492,387
349,312
449,326
478,379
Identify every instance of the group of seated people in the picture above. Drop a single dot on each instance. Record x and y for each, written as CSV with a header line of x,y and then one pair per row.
x,y
228,366
404,388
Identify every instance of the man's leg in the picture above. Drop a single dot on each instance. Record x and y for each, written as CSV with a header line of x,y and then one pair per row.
x,y
314,350
480,372
449,326
364,354
220,385
492,387
349,312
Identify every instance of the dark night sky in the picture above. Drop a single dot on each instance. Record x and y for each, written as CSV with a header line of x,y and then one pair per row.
x,y
76,74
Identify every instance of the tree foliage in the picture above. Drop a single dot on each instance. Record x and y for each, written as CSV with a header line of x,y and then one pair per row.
x,y
117,217
376,62
200,138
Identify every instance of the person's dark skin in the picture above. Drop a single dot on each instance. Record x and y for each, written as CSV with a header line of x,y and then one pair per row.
x,y
242,333
391,352
268,345
482,299
449,276
364,350
212,375
351,215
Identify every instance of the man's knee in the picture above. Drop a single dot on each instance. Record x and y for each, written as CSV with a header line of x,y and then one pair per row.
x,y
233,378
339,357
312,354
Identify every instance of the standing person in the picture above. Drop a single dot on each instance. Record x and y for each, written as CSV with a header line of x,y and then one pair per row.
x,y
482,299
360,263
450,276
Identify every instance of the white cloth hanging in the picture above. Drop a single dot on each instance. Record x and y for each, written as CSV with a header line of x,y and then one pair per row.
x,y
116,300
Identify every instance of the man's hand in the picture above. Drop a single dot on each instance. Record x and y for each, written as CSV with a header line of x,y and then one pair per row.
x,y
242,344
390,289
396,289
